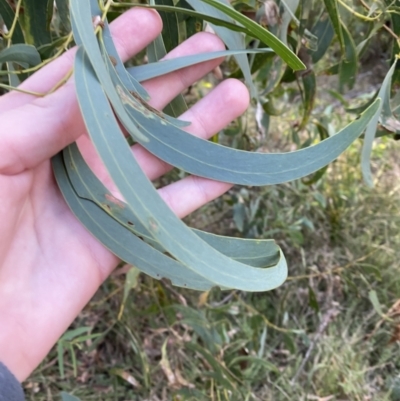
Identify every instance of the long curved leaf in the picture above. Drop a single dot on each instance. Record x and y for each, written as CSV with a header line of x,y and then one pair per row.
x,y
349,65
205,158
248,27
24,55
323,30
233,40
120,241
165,42
260,33
275,69
200,16
257,253
371,129
129,82
144,201
152,70
333,12
217,162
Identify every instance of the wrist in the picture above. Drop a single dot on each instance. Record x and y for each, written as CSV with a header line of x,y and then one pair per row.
x,y
17,347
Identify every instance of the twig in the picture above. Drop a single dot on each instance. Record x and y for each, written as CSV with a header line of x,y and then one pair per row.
x,y
366,6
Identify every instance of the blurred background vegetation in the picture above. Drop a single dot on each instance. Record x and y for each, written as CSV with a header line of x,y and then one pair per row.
x,y
332,331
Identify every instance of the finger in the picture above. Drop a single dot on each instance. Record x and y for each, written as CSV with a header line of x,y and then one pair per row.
x,y
208,116
211,114
162,90
51,123
132,31
191,193
175,82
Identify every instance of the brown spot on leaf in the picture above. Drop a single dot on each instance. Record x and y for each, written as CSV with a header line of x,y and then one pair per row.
x,y
115,201
113,60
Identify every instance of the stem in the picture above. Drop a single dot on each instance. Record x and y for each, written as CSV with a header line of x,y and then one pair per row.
x,y
124,5
367,7
47,61
12,88
104,8
10,33
63,81
363,17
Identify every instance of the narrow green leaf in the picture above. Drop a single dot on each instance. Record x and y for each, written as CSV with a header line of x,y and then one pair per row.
x,y
49,13
111,52
275,68
233,40
36,23
72,334
195,14
312,300
309,94
170,32
310,40
152,70
256,253
193,25
371,129
122,242
211,160
131,281
255,30
395,25
334,15
323,29
388,119
158,49
373,297
262,34
24,55
217,162
348,67
142,198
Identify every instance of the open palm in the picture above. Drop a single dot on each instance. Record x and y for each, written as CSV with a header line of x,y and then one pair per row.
x,y
50,266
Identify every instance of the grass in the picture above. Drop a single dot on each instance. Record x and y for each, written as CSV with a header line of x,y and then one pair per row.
x,y
329,333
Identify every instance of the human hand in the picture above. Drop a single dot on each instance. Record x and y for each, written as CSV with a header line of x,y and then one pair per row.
x,y
50,266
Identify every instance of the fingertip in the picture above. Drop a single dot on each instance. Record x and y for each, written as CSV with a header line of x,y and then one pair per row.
x,y
135,29
236,94
209,41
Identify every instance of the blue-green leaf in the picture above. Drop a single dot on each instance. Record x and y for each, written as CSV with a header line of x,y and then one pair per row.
x,y
371,129
24,55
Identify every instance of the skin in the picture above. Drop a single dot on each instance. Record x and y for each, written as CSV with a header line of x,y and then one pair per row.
x,y
50,266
